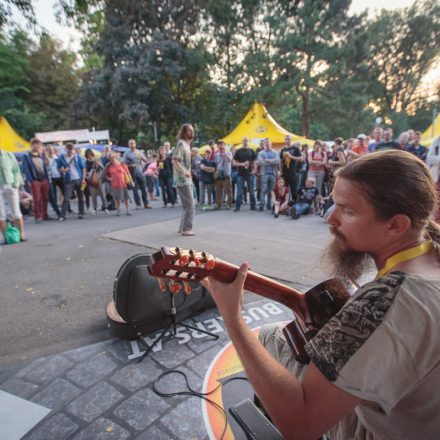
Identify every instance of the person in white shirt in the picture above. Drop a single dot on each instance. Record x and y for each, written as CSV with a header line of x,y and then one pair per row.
x,y
433,159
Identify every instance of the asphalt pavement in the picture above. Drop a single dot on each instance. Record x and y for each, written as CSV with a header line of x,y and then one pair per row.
x,y
54,287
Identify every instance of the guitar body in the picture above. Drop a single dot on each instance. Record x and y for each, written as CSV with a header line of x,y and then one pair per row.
x,y
323,301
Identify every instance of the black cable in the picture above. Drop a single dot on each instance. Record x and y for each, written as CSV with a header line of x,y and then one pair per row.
x,y
183,301
195,393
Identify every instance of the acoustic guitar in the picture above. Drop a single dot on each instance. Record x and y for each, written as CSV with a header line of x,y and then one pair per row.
x,y
311,309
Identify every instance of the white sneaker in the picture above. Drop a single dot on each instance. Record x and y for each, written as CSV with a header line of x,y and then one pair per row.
x,y
94,212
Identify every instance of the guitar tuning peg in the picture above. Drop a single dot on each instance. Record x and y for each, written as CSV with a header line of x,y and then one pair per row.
x,y
161,284
187,288
210,264
183,260
174,287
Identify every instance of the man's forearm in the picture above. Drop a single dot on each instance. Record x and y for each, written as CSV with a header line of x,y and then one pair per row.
x,y
180,167
238,164
273,161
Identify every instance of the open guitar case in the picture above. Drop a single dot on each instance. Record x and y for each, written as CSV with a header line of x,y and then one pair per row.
x,y
139,306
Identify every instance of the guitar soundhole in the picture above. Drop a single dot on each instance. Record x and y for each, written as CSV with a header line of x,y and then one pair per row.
x,y
325,298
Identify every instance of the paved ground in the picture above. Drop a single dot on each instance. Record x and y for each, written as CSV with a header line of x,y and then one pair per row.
x,y
54,291
101,391
55,286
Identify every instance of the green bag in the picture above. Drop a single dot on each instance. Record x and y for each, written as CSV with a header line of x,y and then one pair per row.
x,y
12,234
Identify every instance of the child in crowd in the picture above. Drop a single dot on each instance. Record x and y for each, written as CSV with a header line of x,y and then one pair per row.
x,y
150,173
118,175
280,197
306,199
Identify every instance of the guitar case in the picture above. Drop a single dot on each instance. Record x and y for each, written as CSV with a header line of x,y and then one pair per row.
x,y
139,306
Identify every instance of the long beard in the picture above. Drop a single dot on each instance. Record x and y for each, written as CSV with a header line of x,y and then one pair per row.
x,y
342,261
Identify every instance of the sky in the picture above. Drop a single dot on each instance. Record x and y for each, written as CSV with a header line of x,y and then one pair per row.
x,y
44,11
45,15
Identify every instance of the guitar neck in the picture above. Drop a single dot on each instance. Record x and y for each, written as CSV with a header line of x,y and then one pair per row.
x,y
264,286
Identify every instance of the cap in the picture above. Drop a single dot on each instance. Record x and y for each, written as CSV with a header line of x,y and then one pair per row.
x,y
361,136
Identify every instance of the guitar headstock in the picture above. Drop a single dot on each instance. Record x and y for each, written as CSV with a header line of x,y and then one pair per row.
x,y
180,264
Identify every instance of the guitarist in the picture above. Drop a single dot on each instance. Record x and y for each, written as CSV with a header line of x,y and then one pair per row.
x,y
375,366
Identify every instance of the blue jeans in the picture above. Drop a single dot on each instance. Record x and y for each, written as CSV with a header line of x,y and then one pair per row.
x,y
250,182
234,175
166,184
299,179
53,199
302,208
156,187
267,184
140,183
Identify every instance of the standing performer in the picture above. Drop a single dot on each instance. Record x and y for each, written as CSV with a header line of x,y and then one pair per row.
x,y
182,177
375,366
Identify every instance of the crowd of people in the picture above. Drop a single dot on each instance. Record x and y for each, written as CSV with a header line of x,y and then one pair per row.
x,y
293,180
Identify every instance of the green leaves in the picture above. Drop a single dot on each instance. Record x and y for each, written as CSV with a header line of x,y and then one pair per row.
x,y
24,6
37,83
317,68
403,45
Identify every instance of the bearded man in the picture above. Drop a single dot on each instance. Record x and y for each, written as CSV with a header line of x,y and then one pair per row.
x,y
375,366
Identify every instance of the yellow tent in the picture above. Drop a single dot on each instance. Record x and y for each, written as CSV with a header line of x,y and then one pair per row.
x,y
259,124
432,132
10,140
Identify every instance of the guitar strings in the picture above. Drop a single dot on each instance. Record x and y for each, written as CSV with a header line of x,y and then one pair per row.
x,y
194,393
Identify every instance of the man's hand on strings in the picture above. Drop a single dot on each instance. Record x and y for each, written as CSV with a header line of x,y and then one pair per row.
x,y
228,297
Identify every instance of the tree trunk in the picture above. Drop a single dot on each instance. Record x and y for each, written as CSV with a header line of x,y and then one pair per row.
x,y
305,115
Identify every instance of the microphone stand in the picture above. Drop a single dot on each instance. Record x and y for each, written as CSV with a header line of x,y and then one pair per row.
x,y
172,325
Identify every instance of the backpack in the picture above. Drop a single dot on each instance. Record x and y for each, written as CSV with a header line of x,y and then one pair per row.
x,y
110,202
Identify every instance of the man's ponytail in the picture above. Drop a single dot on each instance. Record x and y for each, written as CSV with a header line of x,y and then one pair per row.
x,y
432,231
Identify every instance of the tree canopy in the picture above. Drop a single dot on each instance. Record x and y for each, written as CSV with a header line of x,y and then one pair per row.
x,y
321,70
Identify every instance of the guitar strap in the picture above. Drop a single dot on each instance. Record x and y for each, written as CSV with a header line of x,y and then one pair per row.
x,y
406,255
